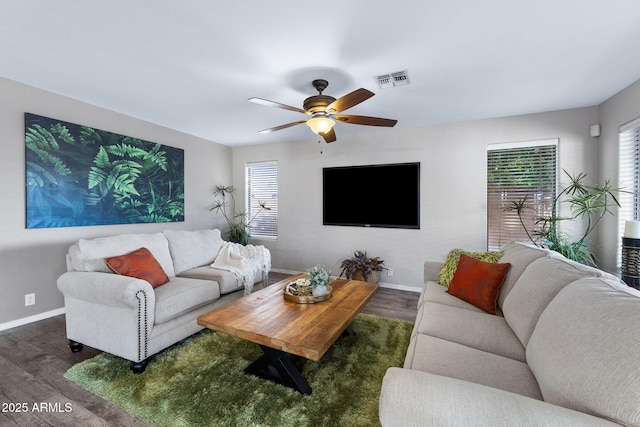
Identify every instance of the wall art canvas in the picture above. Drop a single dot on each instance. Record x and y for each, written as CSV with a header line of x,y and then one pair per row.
x,y
77,176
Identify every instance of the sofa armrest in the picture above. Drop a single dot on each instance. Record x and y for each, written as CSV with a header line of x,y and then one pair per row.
x,y
432,271
105,288
109,312
414,398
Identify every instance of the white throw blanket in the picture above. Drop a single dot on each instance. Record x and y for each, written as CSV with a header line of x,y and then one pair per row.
x,y
245,262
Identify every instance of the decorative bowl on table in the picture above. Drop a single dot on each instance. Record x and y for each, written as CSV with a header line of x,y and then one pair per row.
x,y
301,292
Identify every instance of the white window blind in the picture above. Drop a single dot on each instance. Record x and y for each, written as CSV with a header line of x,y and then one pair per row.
x,y
515,171
629,177
262,188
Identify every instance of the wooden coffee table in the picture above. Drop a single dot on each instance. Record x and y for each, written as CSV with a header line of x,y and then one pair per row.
x,y
287,330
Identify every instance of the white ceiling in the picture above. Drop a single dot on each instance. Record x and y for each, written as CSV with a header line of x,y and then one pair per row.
x,y
192,65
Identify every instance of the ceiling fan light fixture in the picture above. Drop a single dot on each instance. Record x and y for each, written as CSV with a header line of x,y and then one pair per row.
x,y
322,109
320,124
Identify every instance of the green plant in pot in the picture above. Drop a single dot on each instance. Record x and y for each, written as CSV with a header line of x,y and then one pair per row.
x,y
362,267
319,278
237,228
587,203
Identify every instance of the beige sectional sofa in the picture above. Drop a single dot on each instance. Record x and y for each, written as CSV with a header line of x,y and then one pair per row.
x,y
563,351
126,316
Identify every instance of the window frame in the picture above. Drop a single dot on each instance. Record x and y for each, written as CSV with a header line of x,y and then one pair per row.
x,y
496,242
269,196
628,178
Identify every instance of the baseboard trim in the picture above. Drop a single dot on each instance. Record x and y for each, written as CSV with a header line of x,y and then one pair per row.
x,y
283,271
400,287
382,285
31,319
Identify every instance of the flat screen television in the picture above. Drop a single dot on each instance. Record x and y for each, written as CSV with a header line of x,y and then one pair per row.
x,y
385,195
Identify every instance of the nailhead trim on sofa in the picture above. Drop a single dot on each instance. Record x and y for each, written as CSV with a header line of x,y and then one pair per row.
x,y
141,296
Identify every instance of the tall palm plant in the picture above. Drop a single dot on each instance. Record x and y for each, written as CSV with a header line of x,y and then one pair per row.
x,y
237,229
588,203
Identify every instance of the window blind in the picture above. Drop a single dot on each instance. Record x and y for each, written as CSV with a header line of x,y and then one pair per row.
x,y
629,177
515,171
262,187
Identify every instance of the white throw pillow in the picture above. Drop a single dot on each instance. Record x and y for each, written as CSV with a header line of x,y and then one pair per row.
x,y
191,249
92,252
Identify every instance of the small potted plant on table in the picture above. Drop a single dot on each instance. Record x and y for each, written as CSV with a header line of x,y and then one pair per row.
x,y
361,267
319,279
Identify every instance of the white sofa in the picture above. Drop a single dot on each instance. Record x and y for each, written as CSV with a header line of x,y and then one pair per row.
x,y
126,316
564,351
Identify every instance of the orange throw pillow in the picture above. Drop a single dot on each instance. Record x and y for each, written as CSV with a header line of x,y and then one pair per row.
x,y
478,282
140,264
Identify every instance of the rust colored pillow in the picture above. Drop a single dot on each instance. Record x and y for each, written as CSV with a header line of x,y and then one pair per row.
x,y
140,264
478,282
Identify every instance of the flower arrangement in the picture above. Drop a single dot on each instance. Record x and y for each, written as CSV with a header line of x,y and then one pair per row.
x,y
318,276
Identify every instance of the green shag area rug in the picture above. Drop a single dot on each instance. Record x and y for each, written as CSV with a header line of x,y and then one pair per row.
x,y
200,381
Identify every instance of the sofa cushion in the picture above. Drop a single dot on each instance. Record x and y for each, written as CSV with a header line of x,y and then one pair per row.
x,y
470,328
139,264
433,292
519,255
89,255
182,295
76,261
418,399
191,249
453,257
450,359
584,350
586,268
537,286
478,282
226,279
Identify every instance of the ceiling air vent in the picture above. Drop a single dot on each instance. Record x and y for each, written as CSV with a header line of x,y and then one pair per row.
x,y
399,78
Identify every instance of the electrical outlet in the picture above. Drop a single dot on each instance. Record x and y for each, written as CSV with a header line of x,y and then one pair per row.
x,y
390,272
29,299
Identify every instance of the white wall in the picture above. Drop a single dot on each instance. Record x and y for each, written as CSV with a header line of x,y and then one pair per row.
x,y
617,110
31,260
453,187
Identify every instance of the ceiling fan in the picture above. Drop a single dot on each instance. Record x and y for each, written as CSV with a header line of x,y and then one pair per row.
x,y
323,110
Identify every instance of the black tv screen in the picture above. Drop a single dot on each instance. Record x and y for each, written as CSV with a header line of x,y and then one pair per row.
x,y
372,196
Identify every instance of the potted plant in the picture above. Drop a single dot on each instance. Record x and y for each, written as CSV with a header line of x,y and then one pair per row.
x,y
319,279
361,267
588,203
237,229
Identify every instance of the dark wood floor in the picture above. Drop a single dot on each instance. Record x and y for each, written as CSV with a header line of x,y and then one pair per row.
x,y
34,357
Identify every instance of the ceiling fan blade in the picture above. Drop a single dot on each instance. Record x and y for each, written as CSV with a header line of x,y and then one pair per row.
x,y
288,125
268,103
366,120
329,136
349,100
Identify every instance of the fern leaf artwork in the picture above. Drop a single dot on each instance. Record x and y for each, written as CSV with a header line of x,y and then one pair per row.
x,y
81,176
